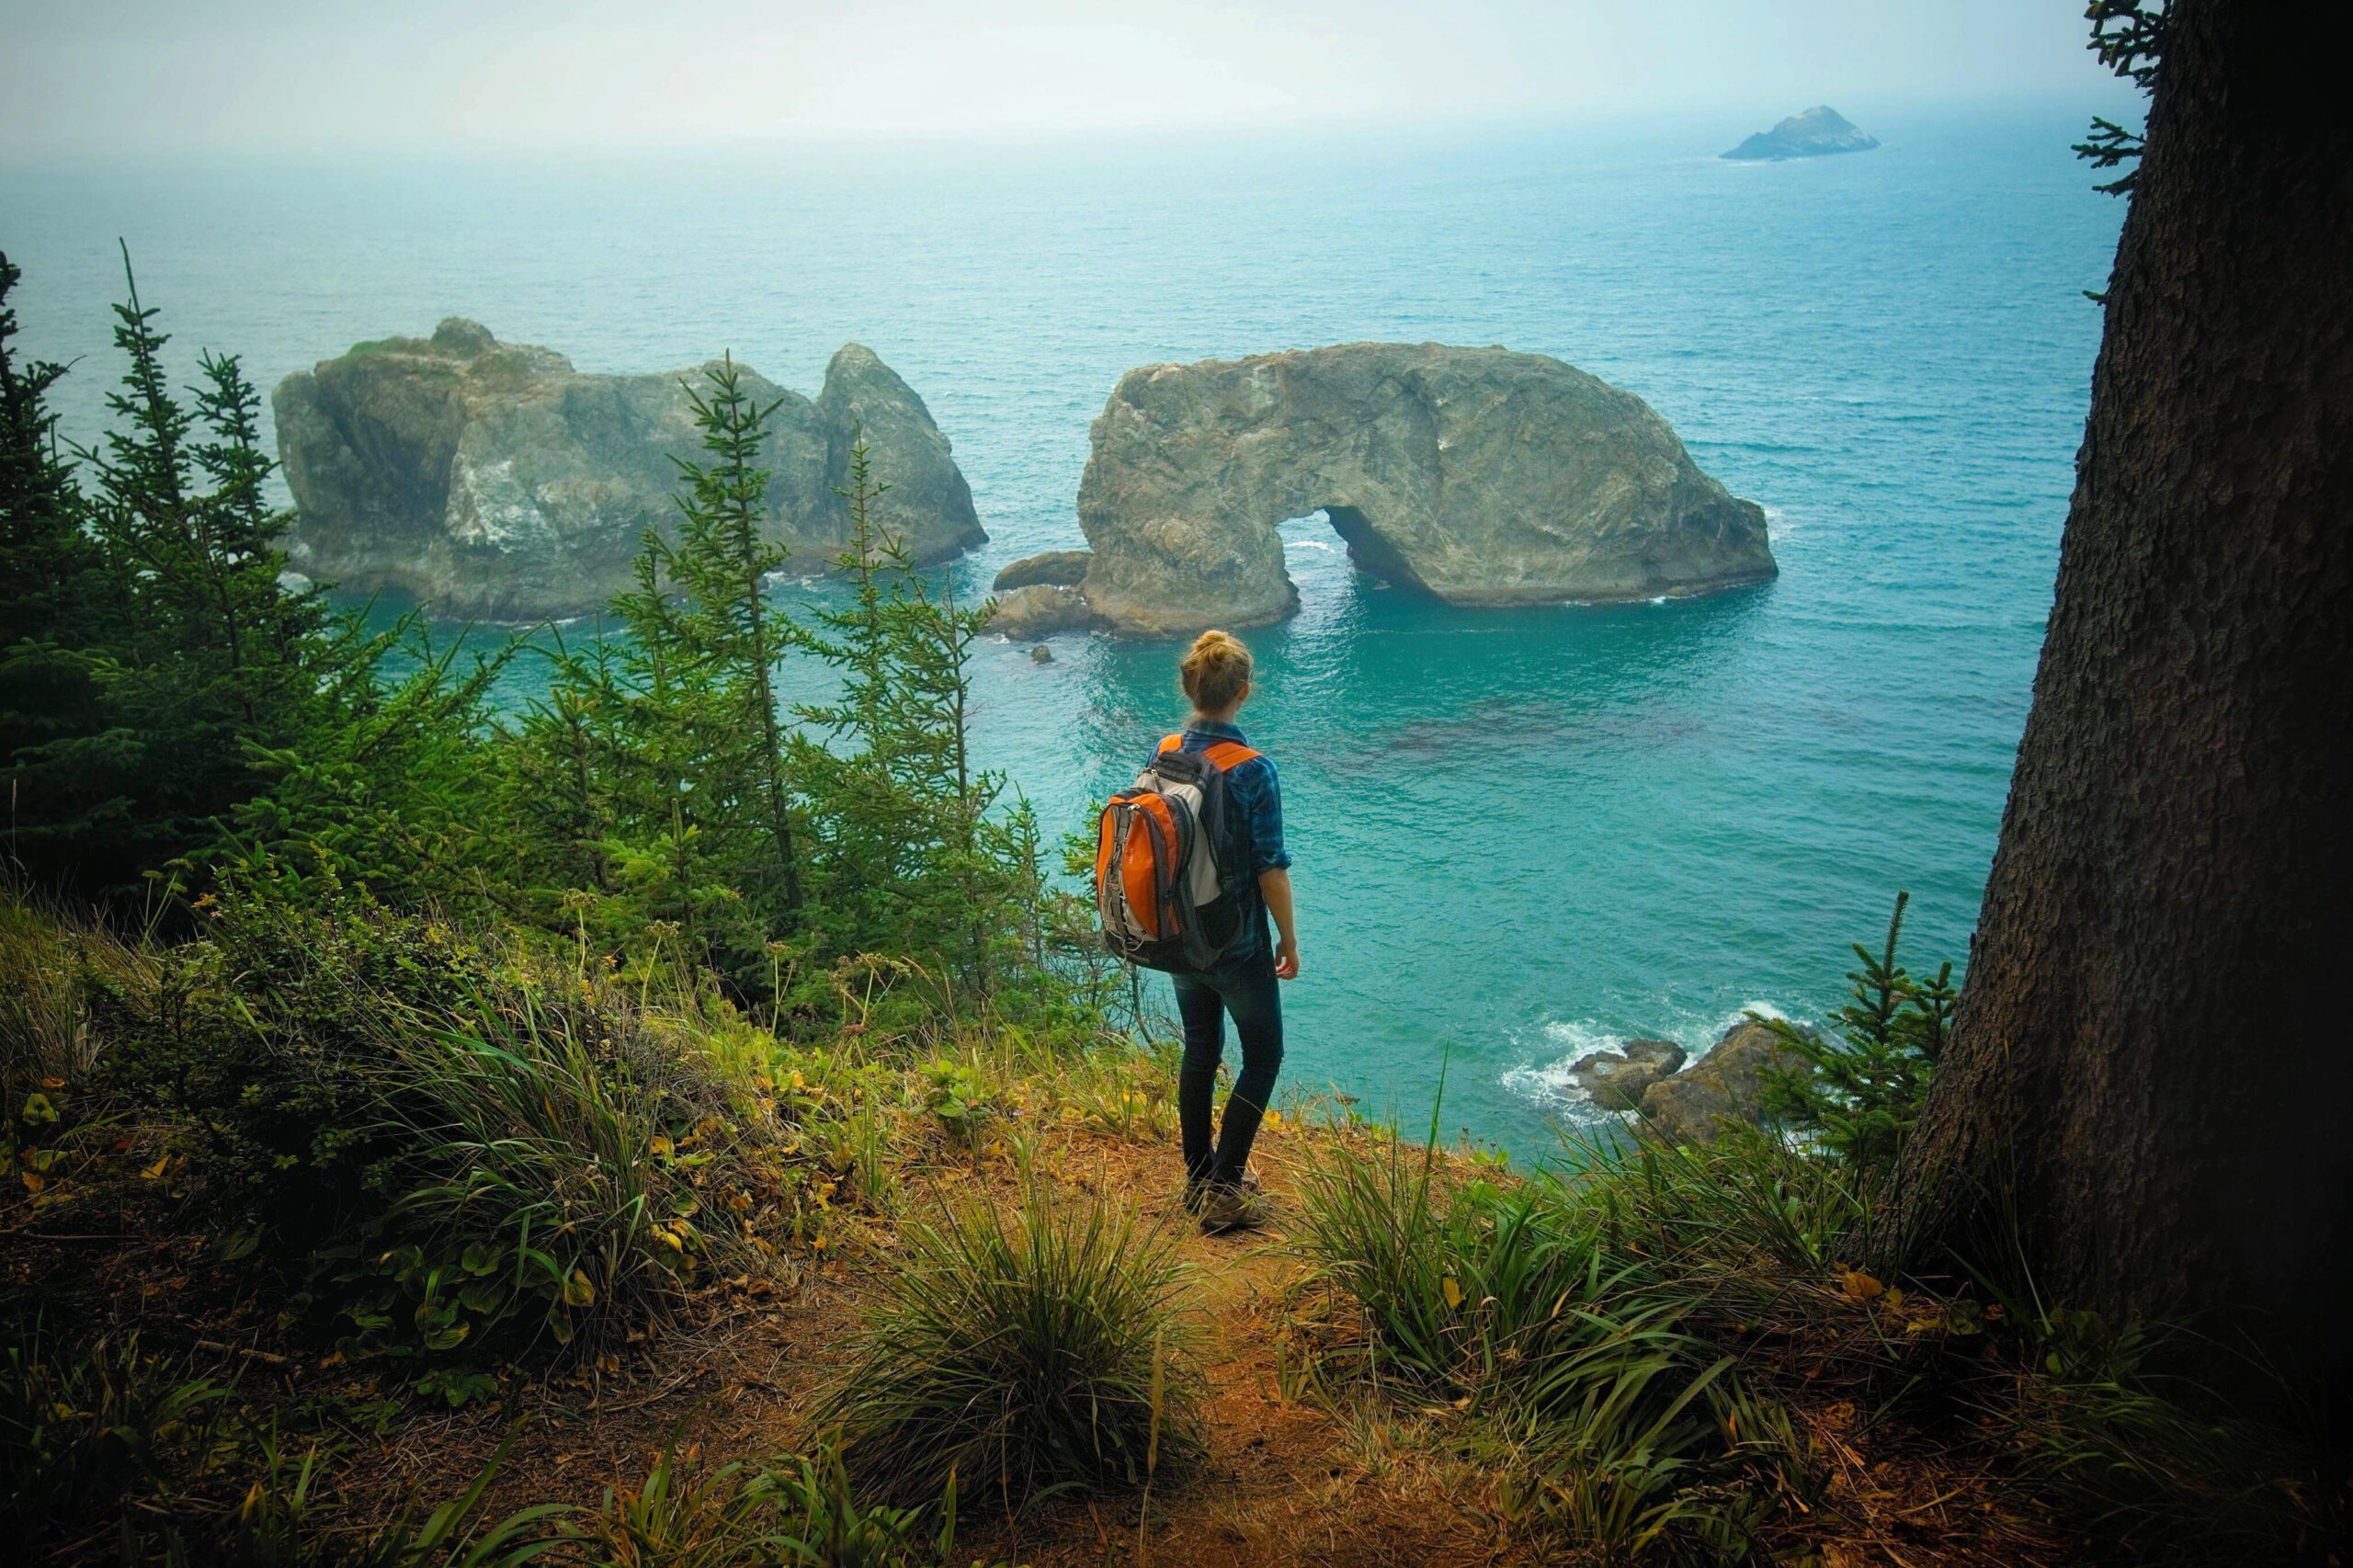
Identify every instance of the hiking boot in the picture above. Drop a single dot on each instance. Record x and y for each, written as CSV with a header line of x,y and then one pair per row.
x,y
1197,1190
1229,1207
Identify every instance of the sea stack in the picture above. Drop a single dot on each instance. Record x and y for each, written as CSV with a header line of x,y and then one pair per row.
x,y
493,479
1817,132
1481,476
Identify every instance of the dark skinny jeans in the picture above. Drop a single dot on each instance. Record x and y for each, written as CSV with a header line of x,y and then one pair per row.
x,y
1248,992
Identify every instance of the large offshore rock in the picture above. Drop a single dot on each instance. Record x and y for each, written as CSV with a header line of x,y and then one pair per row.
x,y
1725,1086
493,479
1815,133
1479,475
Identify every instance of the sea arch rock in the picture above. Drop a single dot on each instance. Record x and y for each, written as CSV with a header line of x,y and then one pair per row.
x,y
1479,475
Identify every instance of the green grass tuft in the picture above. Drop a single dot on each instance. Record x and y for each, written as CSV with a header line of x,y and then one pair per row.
x,y
1021,1353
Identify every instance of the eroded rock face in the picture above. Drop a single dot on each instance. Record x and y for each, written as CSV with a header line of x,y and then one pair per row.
x,y
1616,1080
1724,1086
493,479
1479,475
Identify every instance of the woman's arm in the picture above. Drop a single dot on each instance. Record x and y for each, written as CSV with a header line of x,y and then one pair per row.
x,y
1274,885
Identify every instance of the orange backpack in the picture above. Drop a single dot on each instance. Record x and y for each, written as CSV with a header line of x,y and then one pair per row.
x,y
1169,860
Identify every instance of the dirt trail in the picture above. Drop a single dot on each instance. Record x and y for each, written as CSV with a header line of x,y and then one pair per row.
x,y
1283,1481
1342,1481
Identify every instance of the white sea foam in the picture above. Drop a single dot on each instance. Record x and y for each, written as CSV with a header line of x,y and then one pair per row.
x,y
1566,1043
1547,1076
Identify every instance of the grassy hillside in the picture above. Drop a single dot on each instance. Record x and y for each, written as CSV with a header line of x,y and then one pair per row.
x,y
370,1237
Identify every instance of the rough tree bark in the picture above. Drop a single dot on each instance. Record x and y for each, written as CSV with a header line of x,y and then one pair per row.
x,y
2150,1087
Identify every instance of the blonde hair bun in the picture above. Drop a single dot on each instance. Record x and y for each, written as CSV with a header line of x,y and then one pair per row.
x,y
1216,668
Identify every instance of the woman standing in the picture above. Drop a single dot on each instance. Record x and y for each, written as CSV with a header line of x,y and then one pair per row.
x,y
1219,1183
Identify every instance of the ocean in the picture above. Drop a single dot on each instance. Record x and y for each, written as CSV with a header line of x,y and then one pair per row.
x,y
1520,834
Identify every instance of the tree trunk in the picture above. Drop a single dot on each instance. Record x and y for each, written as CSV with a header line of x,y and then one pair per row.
x,y
2148,1100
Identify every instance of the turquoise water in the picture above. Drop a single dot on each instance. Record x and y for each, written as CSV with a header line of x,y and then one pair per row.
x,y
1519,834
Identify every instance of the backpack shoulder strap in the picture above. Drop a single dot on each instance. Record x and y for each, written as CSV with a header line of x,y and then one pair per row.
x,y
1170,743
1229,754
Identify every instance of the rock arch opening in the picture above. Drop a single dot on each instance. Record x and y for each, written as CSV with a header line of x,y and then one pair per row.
x,y
1327,547
1374,555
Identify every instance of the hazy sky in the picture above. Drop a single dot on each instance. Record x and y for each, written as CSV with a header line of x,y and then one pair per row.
x,y
99,75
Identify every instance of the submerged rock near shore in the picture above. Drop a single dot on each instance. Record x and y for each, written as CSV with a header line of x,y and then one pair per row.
x,y
1040,609
1617,1080
493,479
1479,475
1815,133
1723,1087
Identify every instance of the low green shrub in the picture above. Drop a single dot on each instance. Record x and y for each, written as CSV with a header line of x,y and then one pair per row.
x,y
961,1096
540,1186
261,1046
1021,1353
436,1140
87,1428
798,1512
1609,1419
1722,1211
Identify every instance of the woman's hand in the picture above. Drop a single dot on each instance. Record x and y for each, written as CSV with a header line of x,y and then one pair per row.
x,y
1276,885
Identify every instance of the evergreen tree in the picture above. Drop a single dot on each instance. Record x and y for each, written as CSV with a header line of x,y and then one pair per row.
x,y
184,652
48,571
562,768
387,788
676,806
914,861
721,566
652,781
174,700
44,554
1866,1089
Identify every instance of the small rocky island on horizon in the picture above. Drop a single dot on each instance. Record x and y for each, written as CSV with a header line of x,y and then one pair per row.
x,y
1817,133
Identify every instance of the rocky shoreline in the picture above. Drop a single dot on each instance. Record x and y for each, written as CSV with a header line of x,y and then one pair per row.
x,y
1649,1080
